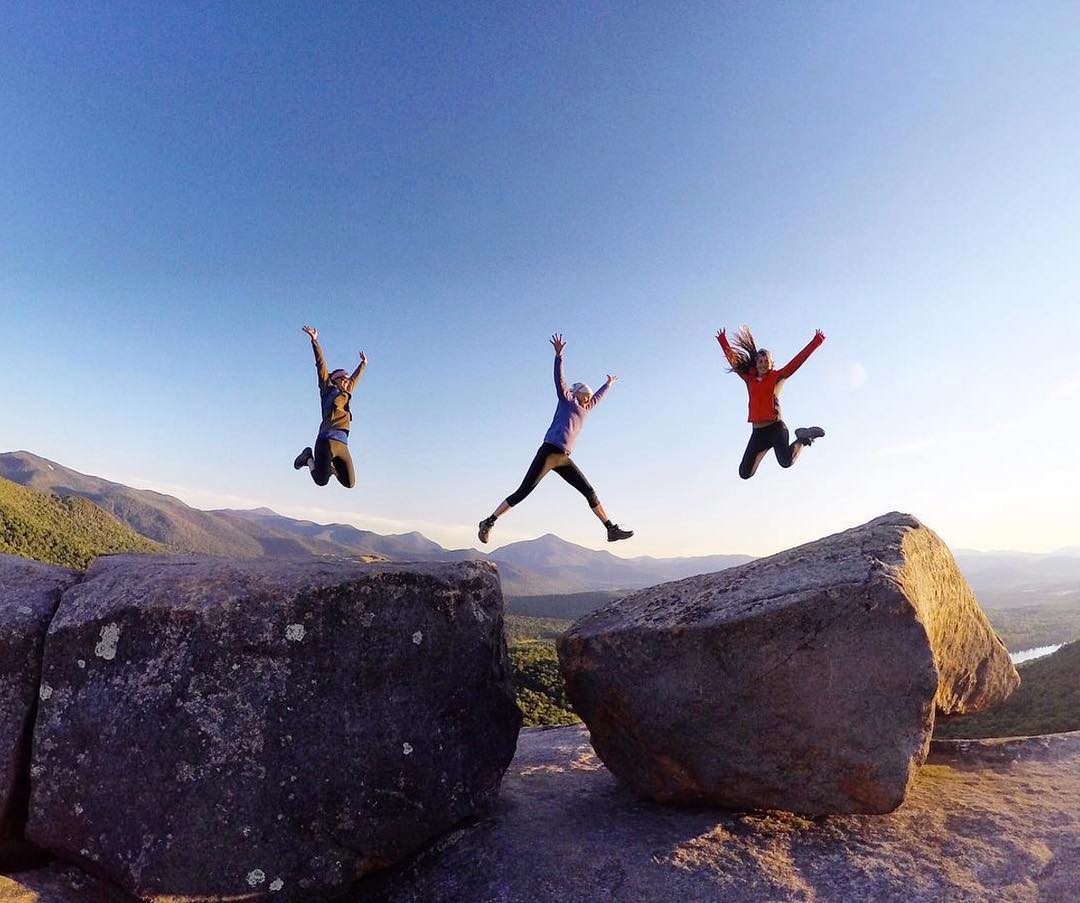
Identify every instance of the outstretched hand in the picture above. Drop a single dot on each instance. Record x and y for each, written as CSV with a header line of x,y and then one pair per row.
x,y
363,359
818,334
314,333
611,380
721,334
558,343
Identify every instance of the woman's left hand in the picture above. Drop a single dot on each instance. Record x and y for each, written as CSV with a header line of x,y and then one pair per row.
x,y
818,334
611,380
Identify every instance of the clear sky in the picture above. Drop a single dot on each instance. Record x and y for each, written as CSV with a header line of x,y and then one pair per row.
x,y
185,185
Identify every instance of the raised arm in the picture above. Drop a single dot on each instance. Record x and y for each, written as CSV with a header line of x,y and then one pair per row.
x,y
601,393
560,384
796,362
358,372
721,337
320,362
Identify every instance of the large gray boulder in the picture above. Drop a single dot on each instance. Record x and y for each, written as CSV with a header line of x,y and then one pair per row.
x,y
29,594
806,681
224,729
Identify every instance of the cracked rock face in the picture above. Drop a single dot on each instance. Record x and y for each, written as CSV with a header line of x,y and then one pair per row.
x,y
806,681
261,729
29,594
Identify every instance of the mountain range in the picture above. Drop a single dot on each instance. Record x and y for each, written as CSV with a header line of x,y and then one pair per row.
x,y
543,566
547,565
1022,579
69,531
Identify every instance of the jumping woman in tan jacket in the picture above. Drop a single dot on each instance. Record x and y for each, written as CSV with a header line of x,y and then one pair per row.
x,y
331,453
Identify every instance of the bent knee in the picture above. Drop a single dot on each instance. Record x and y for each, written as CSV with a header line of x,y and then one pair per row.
x,y
320,479
746,472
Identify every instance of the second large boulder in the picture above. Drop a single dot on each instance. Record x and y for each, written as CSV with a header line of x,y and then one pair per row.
x,y
805,681
234,729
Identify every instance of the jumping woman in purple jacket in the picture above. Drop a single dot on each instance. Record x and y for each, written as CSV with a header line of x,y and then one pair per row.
x,y
575,403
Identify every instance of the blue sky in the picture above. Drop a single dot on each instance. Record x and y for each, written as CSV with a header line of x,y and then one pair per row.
x,y
444,187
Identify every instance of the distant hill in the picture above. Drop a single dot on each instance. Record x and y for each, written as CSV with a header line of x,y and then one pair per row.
x,y
1047,702
521,629
180,528
1031,626
565,606
67,531
161,518
1021,579
544,566
548,565
282,536
279,535
573,568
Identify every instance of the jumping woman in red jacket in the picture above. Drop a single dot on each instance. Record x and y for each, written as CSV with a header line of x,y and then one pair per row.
x,y
755,367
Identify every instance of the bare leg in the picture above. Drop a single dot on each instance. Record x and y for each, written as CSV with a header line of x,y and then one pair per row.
x,y
806,436
504,506
570,472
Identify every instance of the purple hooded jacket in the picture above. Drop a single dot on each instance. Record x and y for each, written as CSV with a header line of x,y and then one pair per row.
x,y
570,414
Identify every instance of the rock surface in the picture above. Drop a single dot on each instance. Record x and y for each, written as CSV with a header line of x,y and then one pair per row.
x,y
806,681
248,729
983,821
58,883
29,594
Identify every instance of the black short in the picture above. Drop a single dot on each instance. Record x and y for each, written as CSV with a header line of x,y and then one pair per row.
x,y
332,457
774,436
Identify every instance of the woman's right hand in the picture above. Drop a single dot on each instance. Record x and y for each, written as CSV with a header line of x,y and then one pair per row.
x,y
314,333
558,343
721,335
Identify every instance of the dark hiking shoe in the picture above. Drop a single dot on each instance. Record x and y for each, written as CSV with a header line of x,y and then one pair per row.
x,y
615,533
485,528
303,459
807,434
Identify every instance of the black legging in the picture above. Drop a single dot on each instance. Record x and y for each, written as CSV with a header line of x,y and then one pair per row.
x,y
774,436
332,456
551,457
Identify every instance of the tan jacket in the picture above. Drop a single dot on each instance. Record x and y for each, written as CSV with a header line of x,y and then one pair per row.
x,y
335,403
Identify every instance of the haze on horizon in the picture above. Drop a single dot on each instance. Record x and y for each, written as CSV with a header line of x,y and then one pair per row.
x,y
445,187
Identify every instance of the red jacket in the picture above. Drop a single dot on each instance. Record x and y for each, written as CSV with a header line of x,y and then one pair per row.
x,y
764,390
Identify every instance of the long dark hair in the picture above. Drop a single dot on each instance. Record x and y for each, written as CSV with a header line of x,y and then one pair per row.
x,y
744,352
